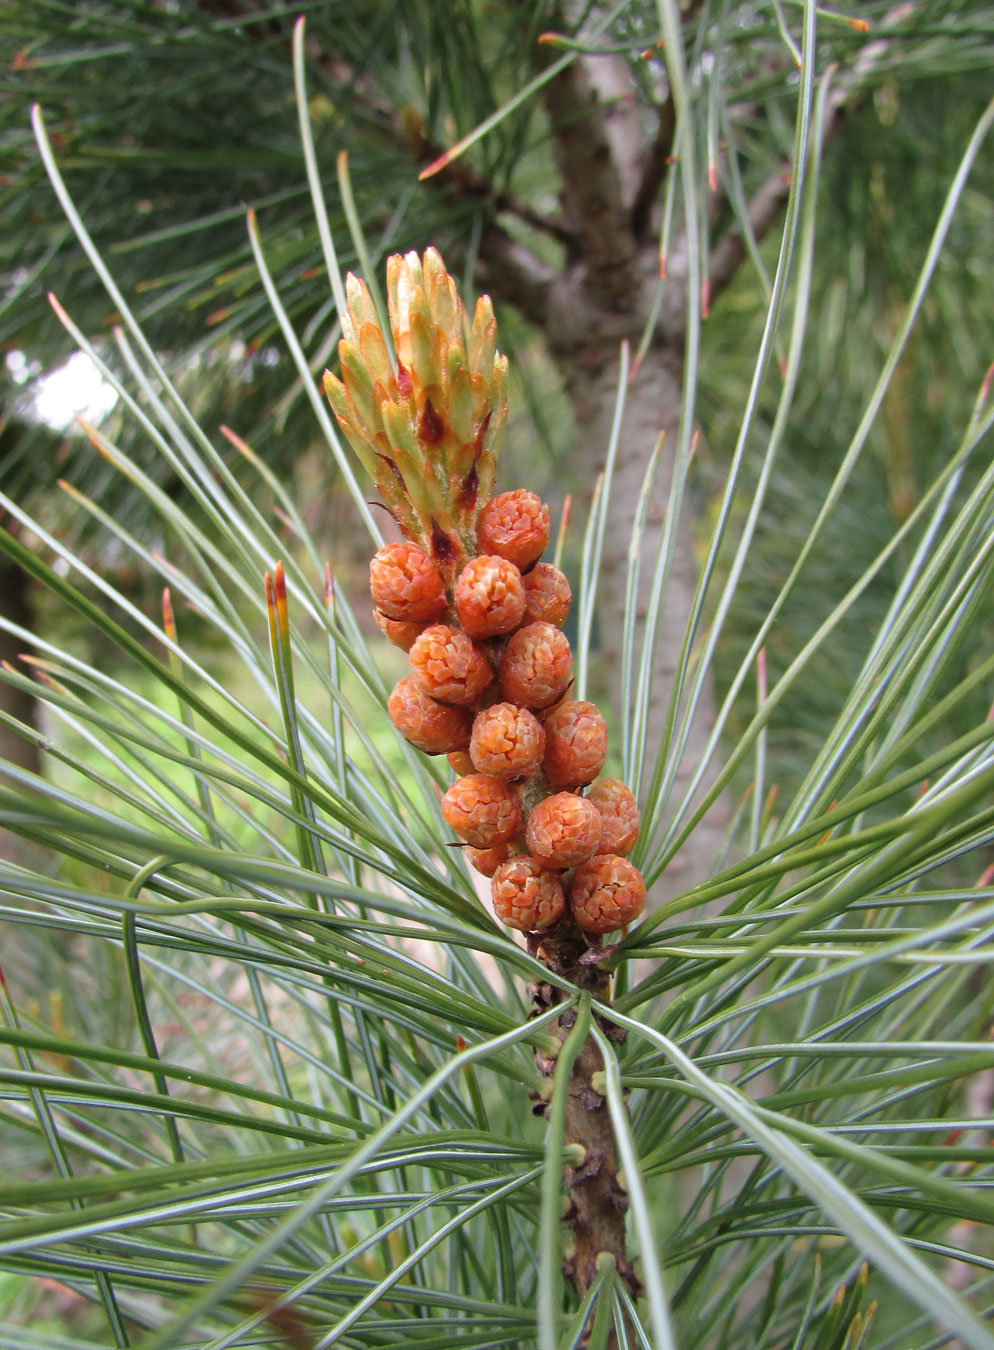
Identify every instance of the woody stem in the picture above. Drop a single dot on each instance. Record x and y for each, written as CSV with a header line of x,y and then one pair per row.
x,y
597,1200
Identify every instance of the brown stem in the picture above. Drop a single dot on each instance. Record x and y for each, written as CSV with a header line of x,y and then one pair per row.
x,y
597,1200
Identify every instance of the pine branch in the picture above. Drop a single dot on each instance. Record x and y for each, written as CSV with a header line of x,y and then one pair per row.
x,y
457,179
405,130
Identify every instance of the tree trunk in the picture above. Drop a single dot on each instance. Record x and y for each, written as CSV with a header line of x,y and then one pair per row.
x,y
652,405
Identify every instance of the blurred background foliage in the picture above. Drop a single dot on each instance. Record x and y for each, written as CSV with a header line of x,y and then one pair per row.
x,y
883,184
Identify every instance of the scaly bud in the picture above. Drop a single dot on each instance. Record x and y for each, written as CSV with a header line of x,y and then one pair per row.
x,y
448,665
427,427
607,892
482,811
536,667
563,830
525,896
514,525
430,726
507,742
575,744
547,595
489,596
406,584
619,813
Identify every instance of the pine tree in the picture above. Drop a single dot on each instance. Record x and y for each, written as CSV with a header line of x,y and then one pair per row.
x,y
311,1122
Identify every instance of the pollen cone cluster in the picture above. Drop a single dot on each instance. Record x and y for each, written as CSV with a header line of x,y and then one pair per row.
x,y
480,614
